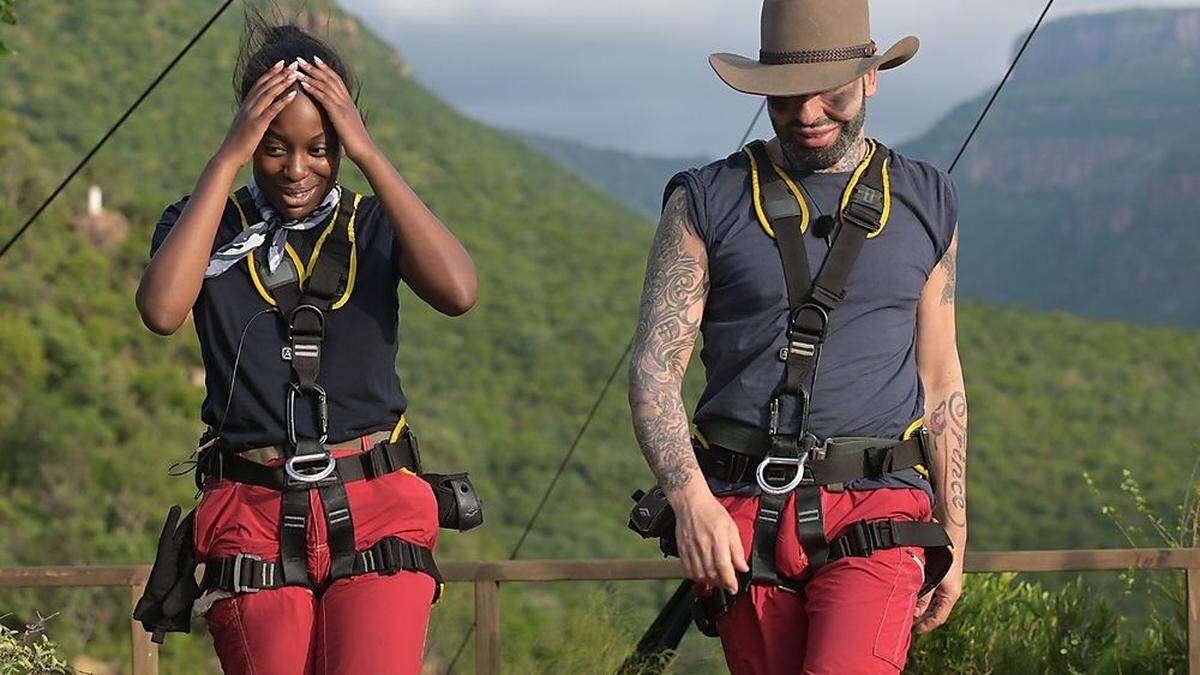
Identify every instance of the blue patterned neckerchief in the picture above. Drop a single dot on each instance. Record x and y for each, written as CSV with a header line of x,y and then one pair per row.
x,y
271,228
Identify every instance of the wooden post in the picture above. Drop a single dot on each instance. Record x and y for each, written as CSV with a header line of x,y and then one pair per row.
x,y
487,627
1193,620
145,652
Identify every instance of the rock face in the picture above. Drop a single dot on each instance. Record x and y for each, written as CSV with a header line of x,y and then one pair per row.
x,y
1080,192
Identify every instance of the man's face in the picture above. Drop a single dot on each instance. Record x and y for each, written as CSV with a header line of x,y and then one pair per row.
x,y
815,131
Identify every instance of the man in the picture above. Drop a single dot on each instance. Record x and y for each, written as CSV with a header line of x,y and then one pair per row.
x,y
812,544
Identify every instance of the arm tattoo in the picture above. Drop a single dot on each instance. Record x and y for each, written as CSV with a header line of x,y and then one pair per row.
x,y
671,309
948,426
950,264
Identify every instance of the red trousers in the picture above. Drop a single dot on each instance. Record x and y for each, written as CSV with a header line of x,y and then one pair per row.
x,y
361,624
854,615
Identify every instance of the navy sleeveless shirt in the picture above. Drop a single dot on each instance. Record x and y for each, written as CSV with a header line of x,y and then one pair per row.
x,y
866,381
358,359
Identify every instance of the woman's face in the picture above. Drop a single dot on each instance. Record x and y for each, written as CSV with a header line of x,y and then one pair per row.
x,y
296,163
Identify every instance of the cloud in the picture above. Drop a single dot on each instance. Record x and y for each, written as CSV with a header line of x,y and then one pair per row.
x,y
633,74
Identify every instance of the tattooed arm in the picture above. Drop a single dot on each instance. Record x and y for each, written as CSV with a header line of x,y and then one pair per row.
x,y
672,306
946,418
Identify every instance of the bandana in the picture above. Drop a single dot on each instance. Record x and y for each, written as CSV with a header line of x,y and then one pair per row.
x,y
272,228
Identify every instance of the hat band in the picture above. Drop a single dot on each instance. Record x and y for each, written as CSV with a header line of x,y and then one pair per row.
x,y
818,55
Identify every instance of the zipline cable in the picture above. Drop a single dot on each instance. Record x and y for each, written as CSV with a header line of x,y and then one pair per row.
x,y
673,606
579,435
995,94
562,466
753,121
113,129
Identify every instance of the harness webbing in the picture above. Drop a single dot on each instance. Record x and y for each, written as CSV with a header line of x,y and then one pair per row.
x,y
303,298
809,303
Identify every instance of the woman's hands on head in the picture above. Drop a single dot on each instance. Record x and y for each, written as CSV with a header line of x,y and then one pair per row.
x,y
325,86
262,103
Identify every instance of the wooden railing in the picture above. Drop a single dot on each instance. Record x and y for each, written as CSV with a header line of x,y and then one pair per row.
x,y
487,577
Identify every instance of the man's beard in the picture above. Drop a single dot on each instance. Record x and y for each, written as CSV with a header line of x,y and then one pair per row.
x,y
820,159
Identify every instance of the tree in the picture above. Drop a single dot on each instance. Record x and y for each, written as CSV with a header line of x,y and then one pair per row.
x,y
6,16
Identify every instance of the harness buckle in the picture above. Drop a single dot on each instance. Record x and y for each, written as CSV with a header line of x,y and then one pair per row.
x,y
238,560
294,471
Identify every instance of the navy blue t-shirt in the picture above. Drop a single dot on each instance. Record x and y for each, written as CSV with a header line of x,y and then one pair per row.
x,y
866,382
358,357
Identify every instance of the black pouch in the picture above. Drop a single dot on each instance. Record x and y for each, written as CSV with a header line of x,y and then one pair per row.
x,y
171,589
652,517
707,610
459,507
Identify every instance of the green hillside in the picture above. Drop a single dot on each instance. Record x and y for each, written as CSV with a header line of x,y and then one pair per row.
x,y
636,181
93,408
1079,192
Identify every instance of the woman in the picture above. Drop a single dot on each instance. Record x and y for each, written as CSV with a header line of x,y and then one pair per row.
x,y
314,527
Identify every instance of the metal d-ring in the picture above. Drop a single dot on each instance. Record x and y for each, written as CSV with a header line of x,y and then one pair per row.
x,y
314,477
765,485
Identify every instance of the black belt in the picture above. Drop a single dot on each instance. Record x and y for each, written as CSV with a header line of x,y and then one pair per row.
x,y
838,460
380,460
245,573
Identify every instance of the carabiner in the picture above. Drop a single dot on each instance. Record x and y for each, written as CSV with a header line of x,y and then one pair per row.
x,y
322,412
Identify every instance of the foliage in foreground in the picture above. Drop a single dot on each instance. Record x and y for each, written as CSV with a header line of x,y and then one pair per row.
x,y
29,651
1004,624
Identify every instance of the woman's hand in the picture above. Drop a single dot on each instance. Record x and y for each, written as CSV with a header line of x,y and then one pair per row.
x,y
326,86
262,103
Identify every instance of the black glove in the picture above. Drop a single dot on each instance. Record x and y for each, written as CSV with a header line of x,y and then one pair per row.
x,y
171,589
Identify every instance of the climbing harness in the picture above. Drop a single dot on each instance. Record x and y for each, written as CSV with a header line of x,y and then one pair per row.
x,y
782,463
303,296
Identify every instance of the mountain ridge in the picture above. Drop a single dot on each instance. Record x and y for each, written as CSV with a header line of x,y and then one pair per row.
x,y
93,408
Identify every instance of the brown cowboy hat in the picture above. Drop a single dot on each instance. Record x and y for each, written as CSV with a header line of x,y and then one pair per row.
x,y
810,46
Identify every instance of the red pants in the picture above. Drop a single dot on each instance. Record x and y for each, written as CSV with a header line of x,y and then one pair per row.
x,y
361,624
854,615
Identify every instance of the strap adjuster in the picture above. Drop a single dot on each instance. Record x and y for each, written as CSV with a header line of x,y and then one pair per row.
x,y
865,209
238,561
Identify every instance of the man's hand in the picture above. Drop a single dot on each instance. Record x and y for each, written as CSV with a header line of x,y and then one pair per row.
x,y
934,609
710,546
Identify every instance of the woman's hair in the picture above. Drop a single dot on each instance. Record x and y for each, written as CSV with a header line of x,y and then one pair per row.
x,y
267,41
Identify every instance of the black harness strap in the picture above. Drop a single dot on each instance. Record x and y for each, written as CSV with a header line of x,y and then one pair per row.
x,y
863,538
304,303
245,573
380,460
809,303
837,466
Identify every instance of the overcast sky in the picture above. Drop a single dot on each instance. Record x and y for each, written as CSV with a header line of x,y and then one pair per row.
x,y
633,74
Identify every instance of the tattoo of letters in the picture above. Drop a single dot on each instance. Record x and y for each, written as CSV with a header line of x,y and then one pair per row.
x,y
948,427
669,321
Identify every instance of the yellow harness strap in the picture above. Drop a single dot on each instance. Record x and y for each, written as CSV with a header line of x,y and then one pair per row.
x,y
872,146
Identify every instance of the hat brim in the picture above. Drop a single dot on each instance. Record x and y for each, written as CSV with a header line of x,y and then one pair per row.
x,y
797,79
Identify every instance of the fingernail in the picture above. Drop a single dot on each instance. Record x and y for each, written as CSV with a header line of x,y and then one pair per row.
x,y
278,64
301,60
318,60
